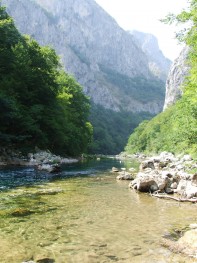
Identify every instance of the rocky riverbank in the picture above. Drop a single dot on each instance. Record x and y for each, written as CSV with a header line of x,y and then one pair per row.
x,y
42,160
169,177
164,174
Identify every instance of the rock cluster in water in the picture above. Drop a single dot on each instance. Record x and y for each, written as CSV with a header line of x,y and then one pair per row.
x,y
164,174
167,174
43,160
46,161
123,174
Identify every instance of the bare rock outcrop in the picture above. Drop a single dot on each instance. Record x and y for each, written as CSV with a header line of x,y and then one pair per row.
x,y
177,74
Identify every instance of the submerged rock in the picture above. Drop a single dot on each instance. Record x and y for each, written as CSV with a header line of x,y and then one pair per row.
x,y
189,239
114,170
51,168
45,260
49,192
20,212
182,241
125,176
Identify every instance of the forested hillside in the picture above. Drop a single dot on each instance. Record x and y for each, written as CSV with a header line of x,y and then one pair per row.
x,y
112,129
40,104
175,129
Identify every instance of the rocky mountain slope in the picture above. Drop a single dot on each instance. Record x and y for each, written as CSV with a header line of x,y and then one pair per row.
x,y
175,79
159,65
107,61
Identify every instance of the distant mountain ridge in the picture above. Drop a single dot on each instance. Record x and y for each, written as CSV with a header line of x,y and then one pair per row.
x,y
158,64
106,60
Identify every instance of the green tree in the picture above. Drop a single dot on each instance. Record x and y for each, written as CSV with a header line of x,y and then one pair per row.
x,y
40,105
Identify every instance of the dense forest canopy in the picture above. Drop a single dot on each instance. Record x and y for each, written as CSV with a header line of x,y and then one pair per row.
x,y
175,129
40,104
112,129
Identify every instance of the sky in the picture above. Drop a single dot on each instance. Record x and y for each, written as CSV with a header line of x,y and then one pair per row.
x,y
144,16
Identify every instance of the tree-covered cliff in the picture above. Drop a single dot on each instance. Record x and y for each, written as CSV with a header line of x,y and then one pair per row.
x,y
175,129
40,104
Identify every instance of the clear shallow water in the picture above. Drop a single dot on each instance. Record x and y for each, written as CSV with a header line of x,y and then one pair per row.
x,y
83,215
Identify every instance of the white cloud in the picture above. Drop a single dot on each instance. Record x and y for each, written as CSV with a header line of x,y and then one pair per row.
x,y
144,15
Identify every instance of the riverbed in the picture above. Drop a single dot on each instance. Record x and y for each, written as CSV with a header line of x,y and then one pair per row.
x,y
83,215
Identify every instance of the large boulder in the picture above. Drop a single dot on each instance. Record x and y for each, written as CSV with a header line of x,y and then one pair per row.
x,y
150,182
144,183
147,185
187,189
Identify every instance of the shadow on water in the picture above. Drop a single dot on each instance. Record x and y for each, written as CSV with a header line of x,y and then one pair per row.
x,y
13,176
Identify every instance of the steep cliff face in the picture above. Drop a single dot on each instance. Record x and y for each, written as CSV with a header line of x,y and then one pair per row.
x,y
159,65
177,74
106,60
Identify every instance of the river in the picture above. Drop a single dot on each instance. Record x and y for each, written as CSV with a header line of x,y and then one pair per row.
x,y
83,215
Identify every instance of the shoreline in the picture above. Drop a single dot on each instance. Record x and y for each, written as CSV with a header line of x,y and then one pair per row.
x,y
42,160
169,177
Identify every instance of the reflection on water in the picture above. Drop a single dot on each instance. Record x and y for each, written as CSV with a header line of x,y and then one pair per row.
x,y
83,215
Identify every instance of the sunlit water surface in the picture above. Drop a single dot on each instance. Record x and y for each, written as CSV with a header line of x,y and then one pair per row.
x,y
83,215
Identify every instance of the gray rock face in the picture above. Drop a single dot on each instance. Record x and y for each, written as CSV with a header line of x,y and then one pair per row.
x,y
100,54
177,74
159,65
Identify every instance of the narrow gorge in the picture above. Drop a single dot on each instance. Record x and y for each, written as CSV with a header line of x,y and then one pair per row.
x,y
123,73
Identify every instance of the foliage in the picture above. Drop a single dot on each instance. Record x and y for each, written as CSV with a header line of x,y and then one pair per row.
x,y
175,129
168,131
40,105
112,129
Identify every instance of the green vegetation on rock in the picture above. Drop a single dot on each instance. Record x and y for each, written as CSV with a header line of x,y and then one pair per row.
x,y
175,129
140,88
40,105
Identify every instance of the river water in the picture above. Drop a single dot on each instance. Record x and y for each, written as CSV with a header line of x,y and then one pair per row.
x,y
83,215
